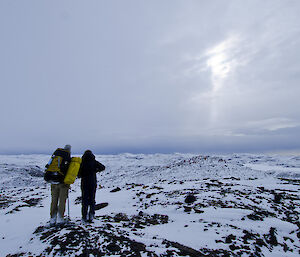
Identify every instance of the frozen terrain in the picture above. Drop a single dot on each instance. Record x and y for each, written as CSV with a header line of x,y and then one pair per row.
x,y
158,205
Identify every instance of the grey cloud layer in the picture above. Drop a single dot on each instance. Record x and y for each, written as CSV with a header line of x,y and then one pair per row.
x,y
150,76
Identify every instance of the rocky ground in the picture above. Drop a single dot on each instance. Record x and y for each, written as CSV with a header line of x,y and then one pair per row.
x,y
187,206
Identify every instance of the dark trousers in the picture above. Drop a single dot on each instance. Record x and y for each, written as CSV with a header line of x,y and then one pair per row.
x,y
88,201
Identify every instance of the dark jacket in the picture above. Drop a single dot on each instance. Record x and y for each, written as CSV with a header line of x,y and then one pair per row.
x,y
88,169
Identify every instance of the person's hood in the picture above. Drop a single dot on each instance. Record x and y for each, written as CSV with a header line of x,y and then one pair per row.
x,y
88,155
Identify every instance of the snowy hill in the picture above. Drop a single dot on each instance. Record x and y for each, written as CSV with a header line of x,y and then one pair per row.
x,y
158,205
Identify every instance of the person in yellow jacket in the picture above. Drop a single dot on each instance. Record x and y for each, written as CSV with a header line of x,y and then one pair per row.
x,y
59,190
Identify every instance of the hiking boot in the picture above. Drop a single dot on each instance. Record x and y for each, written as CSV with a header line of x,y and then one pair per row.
x,y
53,221
60,220
84,217
91,217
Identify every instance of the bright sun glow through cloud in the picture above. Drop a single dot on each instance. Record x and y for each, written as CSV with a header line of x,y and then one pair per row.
x,y
222,63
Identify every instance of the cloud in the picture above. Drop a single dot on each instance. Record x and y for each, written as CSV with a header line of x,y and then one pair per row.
x,y
155,76
274,124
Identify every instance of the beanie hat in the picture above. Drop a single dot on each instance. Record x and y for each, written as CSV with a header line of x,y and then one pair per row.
x,y
68,148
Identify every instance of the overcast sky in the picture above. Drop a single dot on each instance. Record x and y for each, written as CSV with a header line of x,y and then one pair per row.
x,y
150,76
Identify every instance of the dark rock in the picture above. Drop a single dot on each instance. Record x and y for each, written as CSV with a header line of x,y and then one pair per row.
x,y
277,198
233,247
121,217
162,219
257,250
87,238
170,253
137,247
190,198
229,239
260,215
100,206
285,247
35,171
115,190
16,255
187,208
78,200
184,250
272,240
113,247
138,225
149,195
198,211
33,201
254,216
260,242
247,236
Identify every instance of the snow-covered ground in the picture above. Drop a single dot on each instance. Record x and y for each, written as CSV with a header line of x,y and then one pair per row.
x,y
244,205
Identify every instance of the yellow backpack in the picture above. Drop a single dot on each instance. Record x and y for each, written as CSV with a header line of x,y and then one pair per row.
x,y
72,170
56,160
55,164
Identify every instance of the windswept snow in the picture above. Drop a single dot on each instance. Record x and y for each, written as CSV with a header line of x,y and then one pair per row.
x,y
244,205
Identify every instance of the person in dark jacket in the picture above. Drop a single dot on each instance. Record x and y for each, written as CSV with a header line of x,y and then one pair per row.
x,y
87,172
